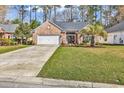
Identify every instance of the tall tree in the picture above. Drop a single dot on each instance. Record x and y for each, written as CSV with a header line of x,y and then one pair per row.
x,y
16,21
34,24
50,7
101,13
3,11
96,10
23,32
90,14
116,13
70,7
82,9
45,11
22,12
30,13
34,9
120,14
55,7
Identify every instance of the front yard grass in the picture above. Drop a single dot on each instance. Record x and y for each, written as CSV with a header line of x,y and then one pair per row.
x,y
4,49
104,65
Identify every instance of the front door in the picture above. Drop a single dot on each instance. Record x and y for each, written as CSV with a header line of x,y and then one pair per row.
x,y
71,39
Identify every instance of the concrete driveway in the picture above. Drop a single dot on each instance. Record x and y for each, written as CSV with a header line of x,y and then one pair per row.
x,y
25,62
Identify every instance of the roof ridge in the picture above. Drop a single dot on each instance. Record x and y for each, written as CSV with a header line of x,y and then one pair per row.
x,y
55,24
117,26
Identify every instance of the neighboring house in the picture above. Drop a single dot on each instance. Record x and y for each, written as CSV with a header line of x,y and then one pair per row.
x,y
8,30
116,34
58,33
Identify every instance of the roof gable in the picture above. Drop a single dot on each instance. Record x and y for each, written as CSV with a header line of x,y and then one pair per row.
x,y
66,26
55,25
45,23
9,27
48,28
116,28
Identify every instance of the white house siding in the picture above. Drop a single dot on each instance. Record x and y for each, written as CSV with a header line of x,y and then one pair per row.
x,y
116,37
112,38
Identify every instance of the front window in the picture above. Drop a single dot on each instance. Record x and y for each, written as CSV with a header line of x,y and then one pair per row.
x,y
121,41
71,39
8,37
115,36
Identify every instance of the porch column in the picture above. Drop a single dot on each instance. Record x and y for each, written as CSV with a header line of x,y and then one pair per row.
x,y
76,38
63,38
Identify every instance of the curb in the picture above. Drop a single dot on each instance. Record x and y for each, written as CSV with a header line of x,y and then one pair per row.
x,y
78,84
56,83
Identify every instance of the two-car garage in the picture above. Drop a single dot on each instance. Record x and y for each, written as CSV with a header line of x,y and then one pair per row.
x,y
47,33
47,39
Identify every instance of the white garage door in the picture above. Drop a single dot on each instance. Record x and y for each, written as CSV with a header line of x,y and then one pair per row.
x,y
48,40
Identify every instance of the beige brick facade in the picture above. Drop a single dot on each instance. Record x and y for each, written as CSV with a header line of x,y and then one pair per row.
x,y
63,38
48,28
79,38
8,35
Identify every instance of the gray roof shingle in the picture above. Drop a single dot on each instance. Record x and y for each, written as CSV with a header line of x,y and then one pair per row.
x,y
9,27
70,26
116,28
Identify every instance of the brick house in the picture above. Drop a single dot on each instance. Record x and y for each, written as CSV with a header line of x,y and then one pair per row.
x,y
7,30
58,33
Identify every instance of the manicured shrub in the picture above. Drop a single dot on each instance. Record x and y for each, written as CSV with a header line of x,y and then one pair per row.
x,y
6,42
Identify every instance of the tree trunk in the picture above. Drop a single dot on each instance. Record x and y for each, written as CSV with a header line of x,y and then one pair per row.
x,y
54,13
45,14
22,40
82,14
95,16
101,11
26,41
35,13
50,14
92,41
45,18
71,15
30,14
22,14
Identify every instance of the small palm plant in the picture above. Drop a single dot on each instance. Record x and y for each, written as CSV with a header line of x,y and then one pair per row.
x,y
94,30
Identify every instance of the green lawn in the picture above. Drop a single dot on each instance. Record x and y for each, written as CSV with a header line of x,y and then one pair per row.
x,y
4,49
86,64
